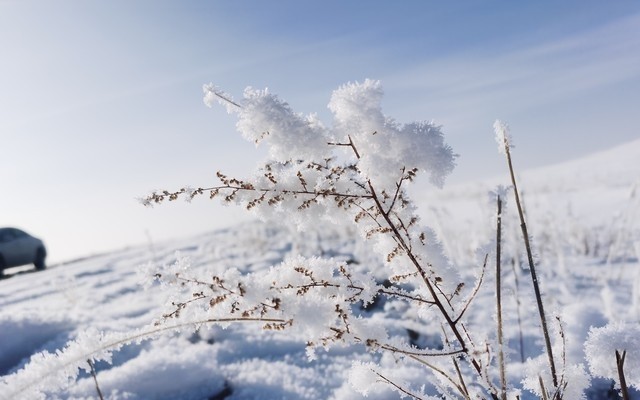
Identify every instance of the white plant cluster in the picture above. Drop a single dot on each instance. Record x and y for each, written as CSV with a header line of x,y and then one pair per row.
x,y
354,172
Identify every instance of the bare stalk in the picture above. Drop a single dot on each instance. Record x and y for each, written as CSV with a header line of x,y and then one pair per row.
x,y
503,380
532,268
95,378
461,378
623,382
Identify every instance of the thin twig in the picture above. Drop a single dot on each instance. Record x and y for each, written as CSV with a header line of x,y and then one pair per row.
x,y
395,196
562,384
461,378
401,389
372,342
95,378
475,290
463,386
623,382
225,98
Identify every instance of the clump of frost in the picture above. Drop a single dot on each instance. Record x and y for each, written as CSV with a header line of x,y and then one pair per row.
x,y
264,117
385,146
575,376
213,94
49,372
355,170
503,138
363,378
602,344
501,192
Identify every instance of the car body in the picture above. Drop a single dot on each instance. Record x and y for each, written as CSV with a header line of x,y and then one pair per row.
x,y
19,248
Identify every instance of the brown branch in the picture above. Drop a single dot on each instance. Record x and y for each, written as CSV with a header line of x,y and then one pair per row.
x,y
95,378
157,198
623,382
350,144
225,98
405,296
476,289
375,343
395,196
423,274
465,391
360,289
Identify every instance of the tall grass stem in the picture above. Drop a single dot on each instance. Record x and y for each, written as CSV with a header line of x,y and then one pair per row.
x,y
503,379
532,268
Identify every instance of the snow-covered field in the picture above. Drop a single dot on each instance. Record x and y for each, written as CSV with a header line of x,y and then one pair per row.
x,y
578,219
143,316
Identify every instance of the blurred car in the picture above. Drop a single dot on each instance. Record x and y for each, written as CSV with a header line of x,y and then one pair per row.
x,y
19,248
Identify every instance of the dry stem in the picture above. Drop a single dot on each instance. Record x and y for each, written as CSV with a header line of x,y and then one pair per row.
x,y
95,378
623,382
532,269
503,380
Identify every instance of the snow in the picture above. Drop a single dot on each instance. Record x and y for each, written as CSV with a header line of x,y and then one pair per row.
x,y
601,347
292,308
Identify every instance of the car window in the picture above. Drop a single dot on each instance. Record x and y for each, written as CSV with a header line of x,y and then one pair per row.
x,y
17,233
6,235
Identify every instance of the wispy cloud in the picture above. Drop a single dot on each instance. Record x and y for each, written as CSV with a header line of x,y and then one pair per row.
x,y
533,75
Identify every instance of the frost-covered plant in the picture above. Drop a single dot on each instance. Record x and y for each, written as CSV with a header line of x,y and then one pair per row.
x,y
355,172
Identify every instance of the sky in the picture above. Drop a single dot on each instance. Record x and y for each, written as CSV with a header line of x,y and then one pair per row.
x,y
101,102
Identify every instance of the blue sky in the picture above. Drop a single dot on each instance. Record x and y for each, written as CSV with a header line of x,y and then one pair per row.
x,y
101,102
